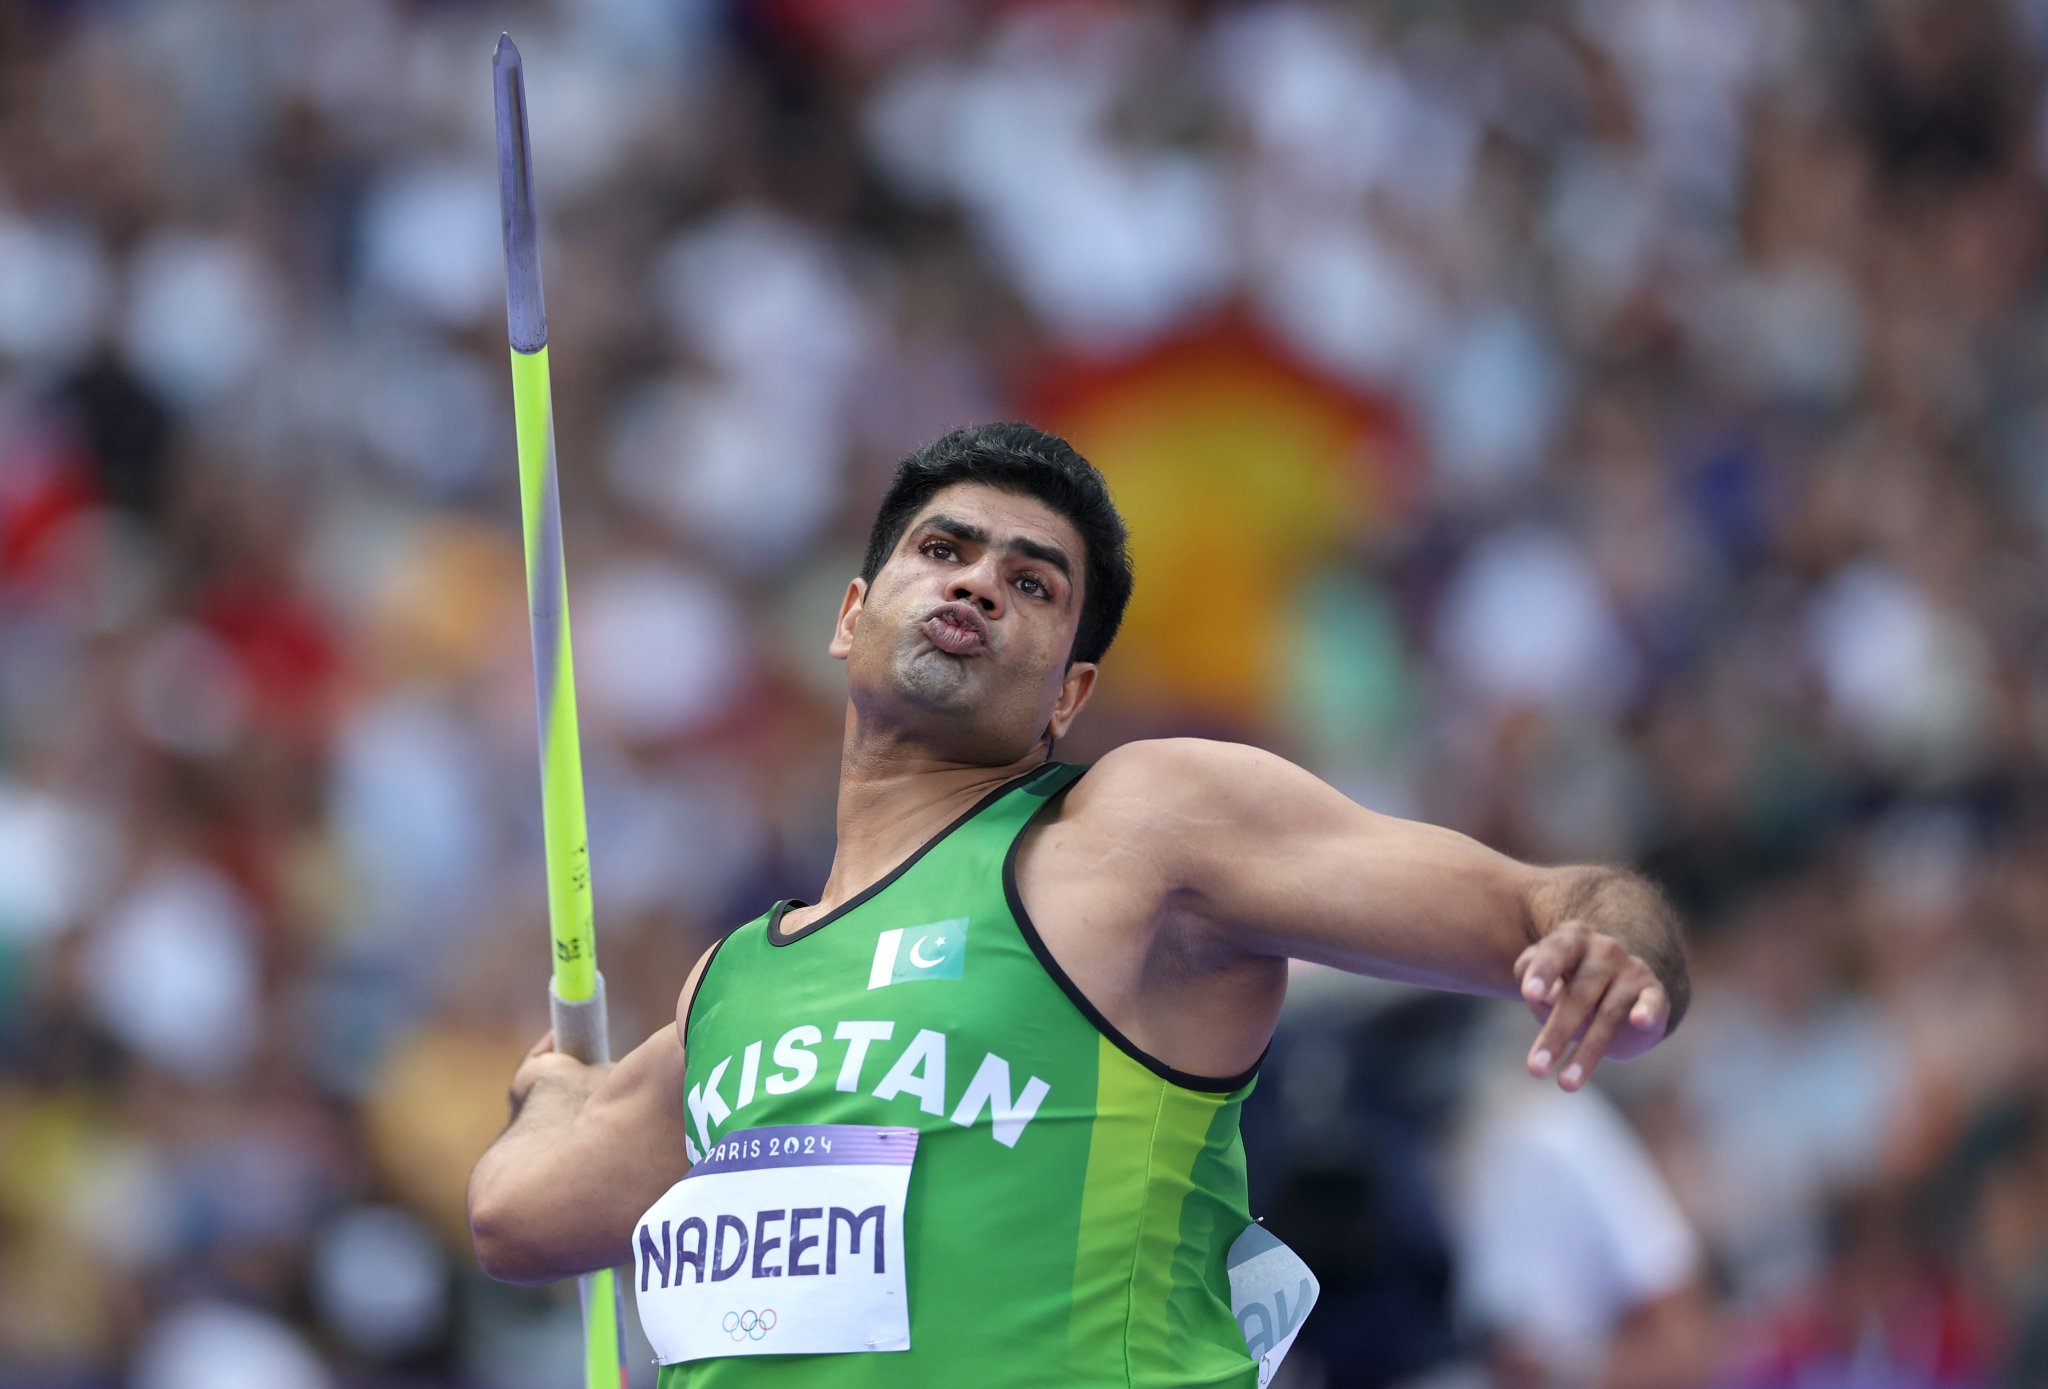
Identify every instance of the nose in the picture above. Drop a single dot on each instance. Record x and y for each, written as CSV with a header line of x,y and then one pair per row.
x,y
980,584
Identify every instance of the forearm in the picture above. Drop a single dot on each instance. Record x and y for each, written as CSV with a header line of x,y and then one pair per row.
x,y
1627,906
509,1205
542,1116
588,1149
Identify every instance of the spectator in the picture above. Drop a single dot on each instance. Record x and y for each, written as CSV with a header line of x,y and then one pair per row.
x,y
1575,1265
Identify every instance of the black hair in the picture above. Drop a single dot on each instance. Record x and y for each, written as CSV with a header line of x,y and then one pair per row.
x,y
1019,458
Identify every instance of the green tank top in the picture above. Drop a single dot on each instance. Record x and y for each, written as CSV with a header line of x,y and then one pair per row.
x,y
1072,1199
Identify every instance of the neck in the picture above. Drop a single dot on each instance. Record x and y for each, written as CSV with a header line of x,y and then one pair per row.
x,y
894,795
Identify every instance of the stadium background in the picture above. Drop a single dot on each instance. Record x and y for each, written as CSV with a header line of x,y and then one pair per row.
x,y
1618,430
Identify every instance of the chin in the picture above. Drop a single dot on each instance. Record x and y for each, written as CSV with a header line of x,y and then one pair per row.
x,y
933,680
952,705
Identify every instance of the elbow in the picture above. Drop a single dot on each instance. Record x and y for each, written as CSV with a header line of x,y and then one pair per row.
x,y
507,1259
505,1249
499,1257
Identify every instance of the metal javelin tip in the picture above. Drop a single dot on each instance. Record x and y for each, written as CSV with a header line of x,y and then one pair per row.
x,y
526,313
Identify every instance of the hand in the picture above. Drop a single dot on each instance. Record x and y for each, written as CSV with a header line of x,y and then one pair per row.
x,y
544,1065
1594,997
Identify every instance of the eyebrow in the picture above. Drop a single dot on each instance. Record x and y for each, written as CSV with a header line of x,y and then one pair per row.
x,y
978,535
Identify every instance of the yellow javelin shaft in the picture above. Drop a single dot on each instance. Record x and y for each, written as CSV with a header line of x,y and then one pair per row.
x,y
576,989
571,920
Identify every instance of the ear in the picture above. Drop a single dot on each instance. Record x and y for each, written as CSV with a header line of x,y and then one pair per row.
x,y
841,645
1075,688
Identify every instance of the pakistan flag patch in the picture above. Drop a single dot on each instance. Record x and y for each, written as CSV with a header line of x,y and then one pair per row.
x,y
934,951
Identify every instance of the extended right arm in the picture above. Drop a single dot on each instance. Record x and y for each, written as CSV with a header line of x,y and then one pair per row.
x,y
588,1150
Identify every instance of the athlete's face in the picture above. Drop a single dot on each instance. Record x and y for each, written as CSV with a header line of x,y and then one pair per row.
x,y
966,630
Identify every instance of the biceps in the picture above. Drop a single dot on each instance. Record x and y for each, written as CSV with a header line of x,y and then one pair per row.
x,y
1344,886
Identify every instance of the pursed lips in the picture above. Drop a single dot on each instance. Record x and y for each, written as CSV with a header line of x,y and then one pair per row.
x,y
957,630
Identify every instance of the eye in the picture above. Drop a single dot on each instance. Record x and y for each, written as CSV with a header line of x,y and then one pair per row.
x,y
935,547
1034,586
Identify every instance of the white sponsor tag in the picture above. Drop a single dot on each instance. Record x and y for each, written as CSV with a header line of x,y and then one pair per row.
x,y
1271,1290
784,1240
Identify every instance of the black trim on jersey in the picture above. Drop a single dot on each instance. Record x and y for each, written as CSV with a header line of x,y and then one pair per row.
x,y
1213,1085
775,918
690,1008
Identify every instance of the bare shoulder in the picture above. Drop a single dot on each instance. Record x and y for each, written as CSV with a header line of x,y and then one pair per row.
x,y
1164,775
1157,816
1159,762
1105,877
1165,788
1110,840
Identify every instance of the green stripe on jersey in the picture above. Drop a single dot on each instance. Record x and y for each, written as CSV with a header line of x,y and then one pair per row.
x,y
1071,1205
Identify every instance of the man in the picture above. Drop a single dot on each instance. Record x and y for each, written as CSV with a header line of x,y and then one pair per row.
x,y
974,1112
1574,1261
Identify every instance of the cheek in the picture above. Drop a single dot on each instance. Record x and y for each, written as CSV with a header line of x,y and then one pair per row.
x,y
902,584
881,602
1053,653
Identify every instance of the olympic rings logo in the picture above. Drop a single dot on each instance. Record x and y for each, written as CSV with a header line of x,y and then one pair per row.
x,y
749,1325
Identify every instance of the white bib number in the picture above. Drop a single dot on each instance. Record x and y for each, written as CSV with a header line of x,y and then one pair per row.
x,y
784,1240
1271,1291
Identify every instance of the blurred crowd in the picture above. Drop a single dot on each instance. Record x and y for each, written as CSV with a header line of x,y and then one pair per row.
x,y
1617,429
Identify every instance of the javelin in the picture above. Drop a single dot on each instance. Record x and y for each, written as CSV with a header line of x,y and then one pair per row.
x,y
576,990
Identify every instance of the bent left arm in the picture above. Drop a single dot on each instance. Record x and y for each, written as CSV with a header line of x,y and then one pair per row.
x,y
1266,859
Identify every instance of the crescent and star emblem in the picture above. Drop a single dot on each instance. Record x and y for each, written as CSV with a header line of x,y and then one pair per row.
x,y
917,954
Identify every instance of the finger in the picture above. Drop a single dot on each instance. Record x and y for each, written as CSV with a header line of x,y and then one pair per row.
x,y
1651,1008
1616,1007
1561,1031
545,1045
1545,965
1598,965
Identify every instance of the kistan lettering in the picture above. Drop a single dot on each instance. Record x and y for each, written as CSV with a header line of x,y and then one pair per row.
x,y
705,1105
917,1073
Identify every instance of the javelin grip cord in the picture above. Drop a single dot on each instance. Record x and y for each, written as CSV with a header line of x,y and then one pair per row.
x,y
580,1029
